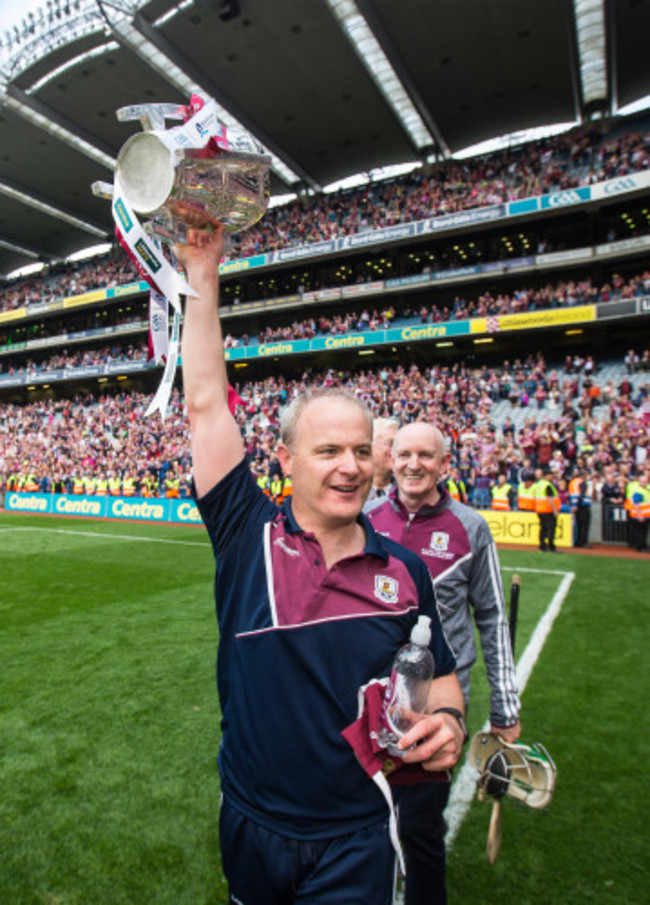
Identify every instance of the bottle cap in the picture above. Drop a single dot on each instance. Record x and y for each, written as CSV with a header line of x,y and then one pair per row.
x,y
421,631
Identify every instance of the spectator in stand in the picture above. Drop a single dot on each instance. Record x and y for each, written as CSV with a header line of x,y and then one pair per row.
x,y
547,506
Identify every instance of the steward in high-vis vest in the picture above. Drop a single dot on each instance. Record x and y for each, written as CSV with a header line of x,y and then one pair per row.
x,y
114,486
287,488
276,488
456,487
501,495
526,491
31,484
580,502
78,485
637,504
172,488
128,486
547,506
101,486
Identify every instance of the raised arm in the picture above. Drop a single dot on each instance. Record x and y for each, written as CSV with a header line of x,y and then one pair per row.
x,y
216,441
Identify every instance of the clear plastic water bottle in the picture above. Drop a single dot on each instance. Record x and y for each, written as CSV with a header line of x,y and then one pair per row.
x,y
407,691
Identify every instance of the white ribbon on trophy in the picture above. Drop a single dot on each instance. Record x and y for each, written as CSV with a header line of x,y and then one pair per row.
x,y
160,401
167,285
158,328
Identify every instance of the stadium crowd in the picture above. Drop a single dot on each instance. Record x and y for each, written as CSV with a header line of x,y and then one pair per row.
x,y
561,294
574,424
83,358
576,158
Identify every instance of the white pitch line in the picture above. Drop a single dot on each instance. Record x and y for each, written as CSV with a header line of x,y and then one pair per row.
x,y
539,571
151,540
464,787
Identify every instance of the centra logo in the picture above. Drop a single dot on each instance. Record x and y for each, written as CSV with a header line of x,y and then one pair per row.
x,y
123,215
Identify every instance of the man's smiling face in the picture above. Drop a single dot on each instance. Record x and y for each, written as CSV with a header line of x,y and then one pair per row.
x,y
330,463
419,462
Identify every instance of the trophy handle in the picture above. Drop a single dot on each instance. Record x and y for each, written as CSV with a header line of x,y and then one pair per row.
x,y
102,189
152,116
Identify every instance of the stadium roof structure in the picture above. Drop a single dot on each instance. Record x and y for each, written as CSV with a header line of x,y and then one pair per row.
x,y
330,88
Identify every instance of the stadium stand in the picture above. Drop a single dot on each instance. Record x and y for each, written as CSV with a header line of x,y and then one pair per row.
x,y
583,403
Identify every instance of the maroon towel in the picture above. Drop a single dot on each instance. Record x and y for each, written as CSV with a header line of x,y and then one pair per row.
x,y
362,738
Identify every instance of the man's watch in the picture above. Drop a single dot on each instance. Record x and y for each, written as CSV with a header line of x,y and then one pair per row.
x,y
459,716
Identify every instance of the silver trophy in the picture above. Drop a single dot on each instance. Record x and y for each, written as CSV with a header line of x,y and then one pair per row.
x,y
176,190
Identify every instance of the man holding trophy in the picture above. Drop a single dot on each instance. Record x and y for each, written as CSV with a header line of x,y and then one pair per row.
x,y
312,605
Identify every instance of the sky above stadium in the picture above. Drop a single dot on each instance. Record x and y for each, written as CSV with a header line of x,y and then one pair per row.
x,y
13,12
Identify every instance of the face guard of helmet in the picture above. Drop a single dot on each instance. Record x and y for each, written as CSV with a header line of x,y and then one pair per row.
x,y
525,773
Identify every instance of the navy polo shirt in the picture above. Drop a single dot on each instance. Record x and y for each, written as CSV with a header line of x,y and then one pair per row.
x,y
297,641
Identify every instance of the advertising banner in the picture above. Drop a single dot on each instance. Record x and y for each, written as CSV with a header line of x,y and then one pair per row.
x,y
375,236
523,206
72,301
640,242
561,257
523,528
462,218
128,289
565,198
616,309
243,264
182,511
620,185
505,527
407,281
14,315
549,317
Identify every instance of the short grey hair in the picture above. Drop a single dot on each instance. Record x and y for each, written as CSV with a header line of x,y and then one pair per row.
x,y
439,437
380,424
292,413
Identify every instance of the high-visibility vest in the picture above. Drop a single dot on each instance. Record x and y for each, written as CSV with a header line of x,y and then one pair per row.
x,y
575,492
31,484
545,504
276,488
500,498
456,490
287,488
128,486
78,485
89,485
101,487
263,484
645,505
172,487
526,497
115,486
637,501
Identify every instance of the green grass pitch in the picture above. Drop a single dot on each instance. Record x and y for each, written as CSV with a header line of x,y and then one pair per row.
x,y
109,725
